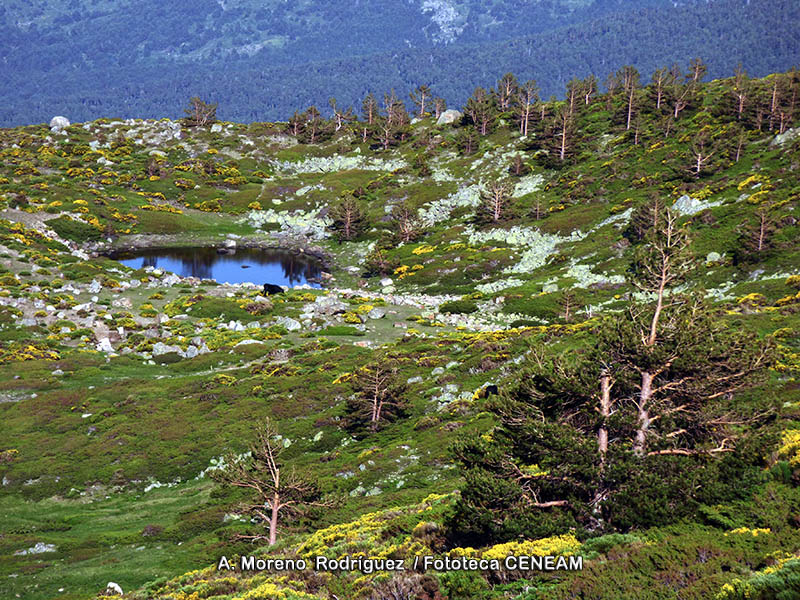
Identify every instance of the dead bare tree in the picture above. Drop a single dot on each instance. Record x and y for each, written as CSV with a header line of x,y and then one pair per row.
x,y
277,493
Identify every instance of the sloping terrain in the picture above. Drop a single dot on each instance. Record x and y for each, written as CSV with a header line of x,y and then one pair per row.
x,y
121,389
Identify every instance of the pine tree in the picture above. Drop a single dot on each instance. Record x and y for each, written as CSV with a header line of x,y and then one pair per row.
x,y
756,236
422,99
480,108
605,436
379,396
406,222
495,199
568,301
277,493
507,88
525,101
200,113
348,219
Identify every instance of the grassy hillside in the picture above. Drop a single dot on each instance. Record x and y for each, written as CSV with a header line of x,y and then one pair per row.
x,y
107,453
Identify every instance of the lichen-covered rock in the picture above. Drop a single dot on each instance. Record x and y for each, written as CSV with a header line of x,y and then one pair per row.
x,y
341,163
686,205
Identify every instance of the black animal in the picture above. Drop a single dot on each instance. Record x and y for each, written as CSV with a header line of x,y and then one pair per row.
x,y
271,288
486,391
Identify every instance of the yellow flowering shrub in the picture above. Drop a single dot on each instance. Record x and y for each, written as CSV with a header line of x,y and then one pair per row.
x,y
562,544
790,446
747,531
424,249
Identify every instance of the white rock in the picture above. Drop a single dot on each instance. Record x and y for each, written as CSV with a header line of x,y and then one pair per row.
x,y
114,588
449,117
105,345
289,323
39,548
57,124
249,343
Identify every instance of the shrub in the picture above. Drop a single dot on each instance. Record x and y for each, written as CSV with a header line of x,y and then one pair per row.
x,y
76,231
459,307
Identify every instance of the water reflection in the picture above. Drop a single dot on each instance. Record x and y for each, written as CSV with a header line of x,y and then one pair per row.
x,y
245,265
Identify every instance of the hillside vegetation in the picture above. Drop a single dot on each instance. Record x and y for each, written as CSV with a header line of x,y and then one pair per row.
x,y
519,247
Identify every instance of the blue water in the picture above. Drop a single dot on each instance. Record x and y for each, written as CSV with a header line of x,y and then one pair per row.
x,y
251,265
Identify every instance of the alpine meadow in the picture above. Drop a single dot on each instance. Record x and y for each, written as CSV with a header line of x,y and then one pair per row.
x,y
413,300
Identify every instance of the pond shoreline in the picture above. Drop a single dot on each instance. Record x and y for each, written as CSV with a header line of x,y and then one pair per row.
x,y
133,243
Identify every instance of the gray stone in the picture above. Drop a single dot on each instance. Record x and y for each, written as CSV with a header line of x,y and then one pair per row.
x,y
192,351
713,257
160,348
449,117
95,287
787,136
122,303
39,548
104,345
57,124
289,323
376,313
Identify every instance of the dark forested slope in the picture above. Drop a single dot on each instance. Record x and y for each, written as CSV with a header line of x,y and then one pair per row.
x,y
146,63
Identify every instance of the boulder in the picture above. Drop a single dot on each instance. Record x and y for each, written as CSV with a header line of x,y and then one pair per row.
x,y
376,313
786,137
57,124
449,117
160,348
113,589
104,345
289,323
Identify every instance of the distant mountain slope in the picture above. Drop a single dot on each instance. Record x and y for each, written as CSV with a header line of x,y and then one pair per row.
x,y
146,59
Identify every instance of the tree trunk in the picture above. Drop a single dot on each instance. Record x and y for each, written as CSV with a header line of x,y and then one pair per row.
x,y
630,108
643,417
273,520
605,412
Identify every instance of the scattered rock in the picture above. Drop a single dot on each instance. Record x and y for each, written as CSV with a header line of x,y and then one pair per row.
x,y
160,348
289,323
39,548
786,137
449,117
57,124
113,588
104,345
